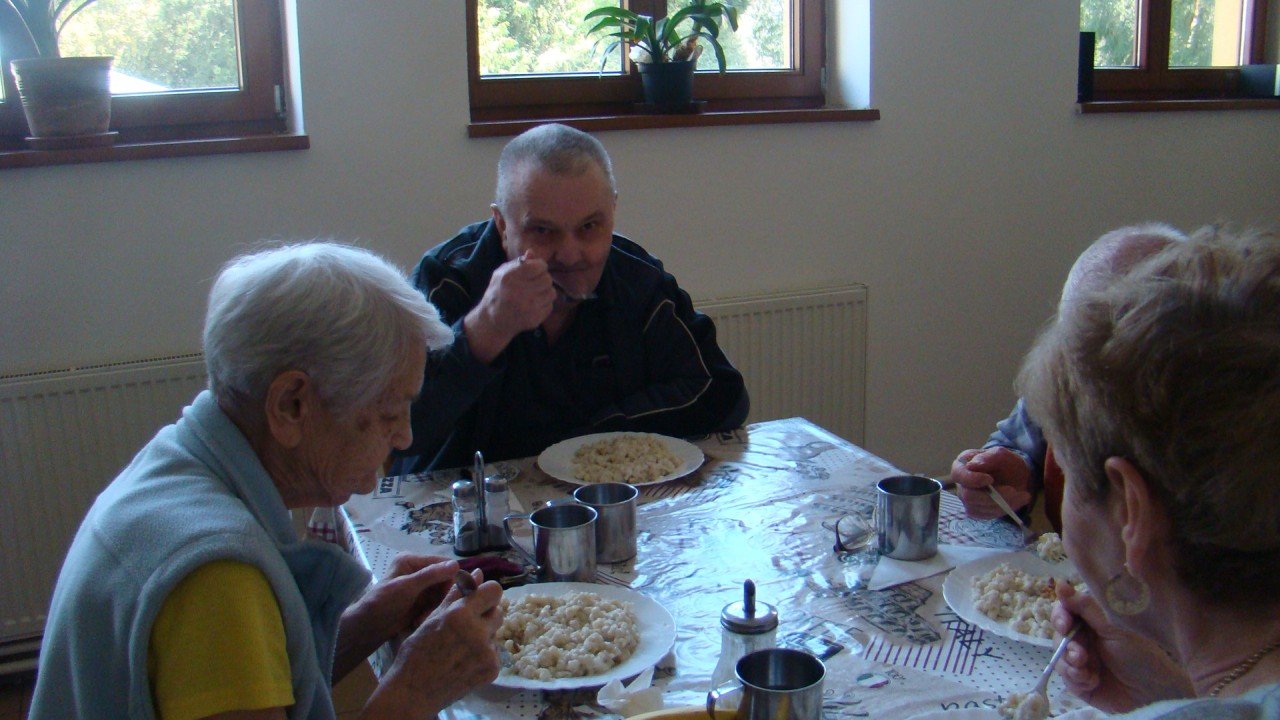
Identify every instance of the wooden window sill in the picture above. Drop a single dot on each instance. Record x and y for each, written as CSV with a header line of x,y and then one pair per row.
x,y
1125,106
599,123
12,156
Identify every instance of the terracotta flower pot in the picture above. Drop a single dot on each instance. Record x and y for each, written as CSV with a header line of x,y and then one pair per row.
x,y
65,97
667,85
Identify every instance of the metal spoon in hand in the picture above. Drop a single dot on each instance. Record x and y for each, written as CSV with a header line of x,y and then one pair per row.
x,y
1028,535
1042,685
467,585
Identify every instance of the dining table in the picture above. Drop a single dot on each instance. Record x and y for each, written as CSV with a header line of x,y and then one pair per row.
x,y
761,506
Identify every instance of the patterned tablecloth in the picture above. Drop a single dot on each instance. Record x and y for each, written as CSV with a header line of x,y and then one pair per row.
x,y
755,509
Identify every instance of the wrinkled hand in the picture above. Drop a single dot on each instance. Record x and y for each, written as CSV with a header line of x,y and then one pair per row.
x,y
520,297
392,608
449,654
973,471
1109,667
396,605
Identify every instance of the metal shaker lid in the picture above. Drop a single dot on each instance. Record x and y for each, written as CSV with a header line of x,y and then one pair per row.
x,y
465,495
749,617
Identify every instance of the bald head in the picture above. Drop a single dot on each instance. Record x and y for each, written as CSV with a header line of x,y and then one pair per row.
x,y
1112,255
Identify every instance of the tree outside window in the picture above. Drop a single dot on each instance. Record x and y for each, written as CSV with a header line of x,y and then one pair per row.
x,y
1173,49
183,69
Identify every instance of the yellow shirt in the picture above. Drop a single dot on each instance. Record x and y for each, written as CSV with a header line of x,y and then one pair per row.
x,y
218,645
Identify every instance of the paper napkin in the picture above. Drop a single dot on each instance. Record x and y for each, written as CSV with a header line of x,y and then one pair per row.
x,y
635,698
889,572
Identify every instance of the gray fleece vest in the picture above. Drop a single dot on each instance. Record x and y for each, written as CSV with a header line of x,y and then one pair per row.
x,y
196,493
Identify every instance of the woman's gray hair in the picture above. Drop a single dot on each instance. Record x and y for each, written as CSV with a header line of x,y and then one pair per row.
x,y
1176,367
344,316
558,149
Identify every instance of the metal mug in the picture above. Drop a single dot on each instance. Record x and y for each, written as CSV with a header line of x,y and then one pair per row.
x,y
775,684
564,542
615,504
907,517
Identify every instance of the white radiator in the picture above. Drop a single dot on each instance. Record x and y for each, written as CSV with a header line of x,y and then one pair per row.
x,y
802,354
63,436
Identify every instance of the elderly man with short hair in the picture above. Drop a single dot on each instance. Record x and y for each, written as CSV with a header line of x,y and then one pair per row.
x,y
187,593
1016,460
563,328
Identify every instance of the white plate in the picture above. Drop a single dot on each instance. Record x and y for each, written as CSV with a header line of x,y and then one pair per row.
x,y
957,589
557,460
656,627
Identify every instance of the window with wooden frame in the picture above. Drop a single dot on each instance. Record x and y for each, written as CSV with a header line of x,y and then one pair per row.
x,y
1173,49
533,59
183,70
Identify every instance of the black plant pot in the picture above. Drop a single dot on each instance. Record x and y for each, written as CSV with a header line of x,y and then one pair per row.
x,y
668,86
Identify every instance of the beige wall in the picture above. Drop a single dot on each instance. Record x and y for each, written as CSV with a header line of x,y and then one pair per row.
x,y
961,209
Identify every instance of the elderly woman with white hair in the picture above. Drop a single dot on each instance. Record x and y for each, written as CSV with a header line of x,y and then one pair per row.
x,y
1161,398
187,593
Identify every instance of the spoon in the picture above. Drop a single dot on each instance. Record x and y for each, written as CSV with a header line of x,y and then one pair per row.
x,y
1027,533
1042,685
467,585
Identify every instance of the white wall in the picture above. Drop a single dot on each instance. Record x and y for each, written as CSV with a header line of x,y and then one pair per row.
x,y
961,209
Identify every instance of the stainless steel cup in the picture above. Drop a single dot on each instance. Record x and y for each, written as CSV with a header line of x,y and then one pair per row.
x,y
907,516
615,503
564,542
775,684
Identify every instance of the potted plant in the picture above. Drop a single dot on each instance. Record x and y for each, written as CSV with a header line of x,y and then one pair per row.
x,y
665,50
67,101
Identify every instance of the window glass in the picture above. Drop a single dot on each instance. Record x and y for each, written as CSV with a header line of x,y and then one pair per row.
x,y
1205,33
534,59
159,45
531,37
1115,24
763,39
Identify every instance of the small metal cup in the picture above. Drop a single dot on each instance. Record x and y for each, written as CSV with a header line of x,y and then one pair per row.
x,y
775,684
907,517
616,526
564,542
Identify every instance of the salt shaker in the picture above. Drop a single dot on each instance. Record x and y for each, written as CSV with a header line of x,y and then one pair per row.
x,y
746,626
468,535
497,505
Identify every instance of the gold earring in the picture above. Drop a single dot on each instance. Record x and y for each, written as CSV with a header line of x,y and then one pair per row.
x,y
1126,594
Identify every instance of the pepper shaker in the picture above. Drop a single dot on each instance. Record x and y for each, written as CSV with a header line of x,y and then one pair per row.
x,y
746,626
467,536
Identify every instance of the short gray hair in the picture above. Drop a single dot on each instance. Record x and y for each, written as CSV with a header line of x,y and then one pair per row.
x,y
558,149
341,314
1176,367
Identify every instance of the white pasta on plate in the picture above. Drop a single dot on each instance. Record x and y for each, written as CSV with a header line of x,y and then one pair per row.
x,y
572,635
569,635
630,457
1025,601
1010,594
624,458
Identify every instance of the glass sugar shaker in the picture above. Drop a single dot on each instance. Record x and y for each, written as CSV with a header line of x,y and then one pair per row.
x,y
497,502
746,626
468,536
